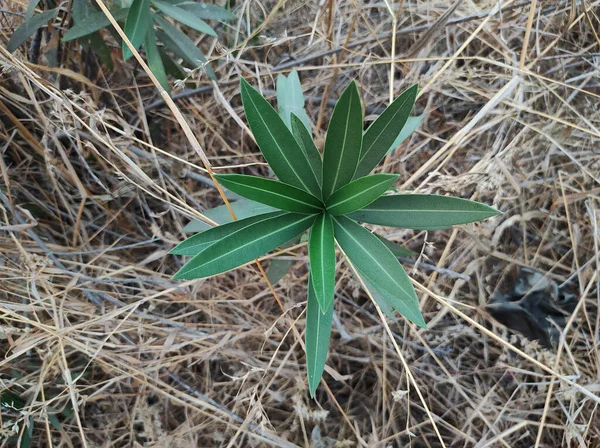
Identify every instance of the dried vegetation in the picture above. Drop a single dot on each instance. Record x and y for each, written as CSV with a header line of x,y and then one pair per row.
x,y
97,180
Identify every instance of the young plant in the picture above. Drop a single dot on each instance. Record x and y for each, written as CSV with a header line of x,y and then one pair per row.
x,y
144,23
329,195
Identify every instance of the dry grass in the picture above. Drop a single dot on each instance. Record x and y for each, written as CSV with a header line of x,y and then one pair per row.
x,y
97,181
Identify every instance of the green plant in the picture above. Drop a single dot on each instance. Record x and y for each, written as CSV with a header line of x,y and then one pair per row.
x,y
144,22
327,194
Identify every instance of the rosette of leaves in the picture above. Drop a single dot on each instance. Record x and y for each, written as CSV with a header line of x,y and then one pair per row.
x,y
145,24
328,195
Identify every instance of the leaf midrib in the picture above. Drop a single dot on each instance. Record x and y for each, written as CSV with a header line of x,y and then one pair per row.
x,y
137,21
374,260
322,247
281,229
422,210
360,193
299,201
364,154
298,177
341,157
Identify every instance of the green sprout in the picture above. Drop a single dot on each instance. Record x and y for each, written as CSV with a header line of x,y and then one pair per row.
x,y
330,195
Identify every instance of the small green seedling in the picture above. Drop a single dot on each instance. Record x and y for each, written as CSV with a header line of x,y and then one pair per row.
x,y
329,195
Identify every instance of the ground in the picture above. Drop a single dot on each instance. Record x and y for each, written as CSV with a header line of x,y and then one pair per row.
x,y
97,180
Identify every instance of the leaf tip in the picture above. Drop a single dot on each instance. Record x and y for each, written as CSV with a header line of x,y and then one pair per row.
x,y
312,388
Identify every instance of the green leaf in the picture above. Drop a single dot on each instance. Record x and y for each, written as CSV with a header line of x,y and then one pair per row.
x,y
277,269
379,266
183,47
154,60
207,11
343,142
27,28
382,133
54,421
395,248
27,434
277,143
79,10
139,20
359,193
101,49
245,245
304,139
387,309
197,243
183,16
423,211
172,67
243,208
321,253
31,9
290,99
272,192
92,23
411,126
317,335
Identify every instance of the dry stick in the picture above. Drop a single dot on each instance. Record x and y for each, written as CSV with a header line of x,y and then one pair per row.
x,y
527,35
393,55
325,97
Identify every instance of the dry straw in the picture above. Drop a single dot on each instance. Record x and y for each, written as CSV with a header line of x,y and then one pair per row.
x,y
94,192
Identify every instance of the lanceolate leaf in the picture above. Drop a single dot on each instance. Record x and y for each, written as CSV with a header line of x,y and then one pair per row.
x,y
27,28
317,335
290,99
197,243
172,67
387,309
277,143
183,16
343,142
243,208
321,252
382,133
207,11
278,268
423,211
154,60
139,19
93,22
272,192
411,126
179,43
359,193
379,266
31,9
304,139
245,245
101,49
